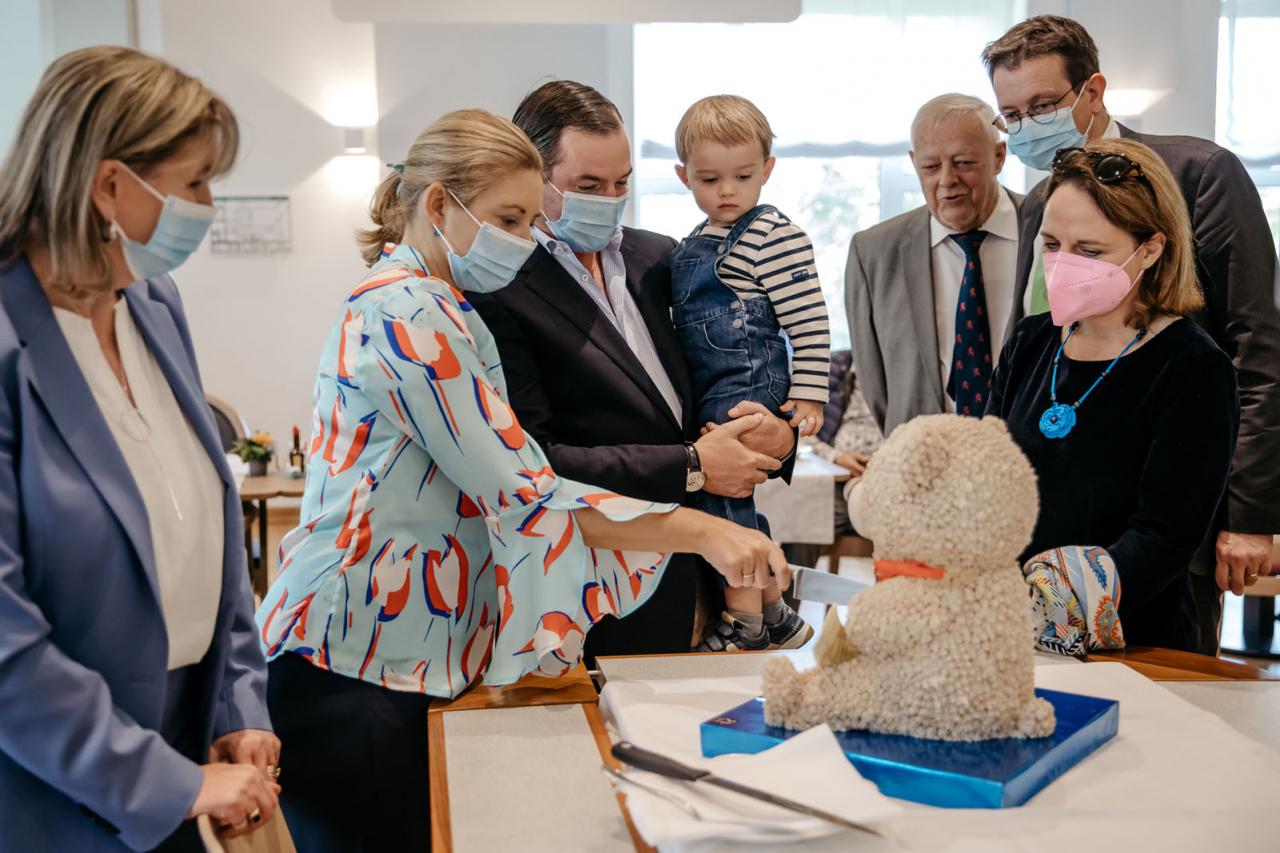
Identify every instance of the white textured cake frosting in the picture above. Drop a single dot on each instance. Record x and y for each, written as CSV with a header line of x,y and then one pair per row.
x,y
942,647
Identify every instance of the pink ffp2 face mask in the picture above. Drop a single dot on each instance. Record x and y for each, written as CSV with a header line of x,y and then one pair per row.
x,y
1080,287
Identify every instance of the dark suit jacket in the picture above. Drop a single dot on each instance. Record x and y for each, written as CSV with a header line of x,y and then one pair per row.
x,y
584,396
1236,265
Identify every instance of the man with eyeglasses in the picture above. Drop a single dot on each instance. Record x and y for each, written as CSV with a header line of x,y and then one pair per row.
x,y
1050,92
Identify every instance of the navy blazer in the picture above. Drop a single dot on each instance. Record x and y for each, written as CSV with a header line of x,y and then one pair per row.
x,y
83,645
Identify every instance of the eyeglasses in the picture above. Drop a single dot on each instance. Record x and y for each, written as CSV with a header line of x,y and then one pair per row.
x,y
1041,112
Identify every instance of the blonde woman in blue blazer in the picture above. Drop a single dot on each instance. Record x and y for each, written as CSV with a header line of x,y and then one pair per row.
x,y
131,683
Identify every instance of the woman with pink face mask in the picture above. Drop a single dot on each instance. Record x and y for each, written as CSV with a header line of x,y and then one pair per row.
x,y
1127,409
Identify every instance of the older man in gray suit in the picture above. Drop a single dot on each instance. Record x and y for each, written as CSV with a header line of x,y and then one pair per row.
x,y
1050,59
930,292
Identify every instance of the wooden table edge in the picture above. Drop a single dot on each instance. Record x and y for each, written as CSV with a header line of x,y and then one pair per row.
x,y
605,745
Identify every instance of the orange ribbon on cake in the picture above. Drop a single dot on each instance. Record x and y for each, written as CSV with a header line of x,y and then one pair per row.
x,y
886,569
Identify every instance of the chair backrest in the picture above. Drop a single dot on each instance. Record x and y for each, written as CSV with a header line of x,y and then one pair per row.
x,y
231,427
833,412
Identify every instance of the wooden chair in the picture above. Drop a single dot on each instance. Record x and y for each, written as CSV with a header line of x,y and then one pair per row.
x,y
231,429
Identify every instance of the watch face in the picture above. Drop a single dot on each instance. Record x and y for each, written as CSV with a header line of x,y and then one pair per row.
x,y
695,481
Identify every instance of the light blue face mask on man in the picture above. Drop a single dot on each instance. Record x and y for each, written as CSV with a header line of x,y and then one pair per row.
x,y
492,261
178,232
1035,144
587,222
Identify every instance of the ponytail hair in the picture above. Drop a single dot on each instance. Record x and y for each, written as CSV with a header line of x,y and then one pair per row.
x,y
466,150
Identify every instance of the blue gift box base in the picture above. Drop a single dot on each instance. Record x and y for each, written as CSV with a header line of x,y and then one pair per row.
x,y
988,774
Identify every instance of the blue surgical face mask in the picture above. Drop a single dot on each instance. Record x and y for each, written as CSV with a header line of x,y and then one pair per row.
x,y
178,232
587,222
1035,144
492,261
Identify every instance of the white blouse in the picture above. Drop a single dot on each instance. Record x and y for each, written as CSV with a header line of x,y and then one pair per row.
x,y
180,488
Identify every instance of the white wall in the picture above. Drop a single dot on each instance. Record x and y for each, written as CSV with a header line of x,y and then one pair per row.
x,y
425,70
259,321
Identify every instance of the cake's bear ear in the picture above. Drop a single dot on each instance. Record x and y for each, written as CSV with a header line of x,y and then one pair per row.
x,y
927,458
995,424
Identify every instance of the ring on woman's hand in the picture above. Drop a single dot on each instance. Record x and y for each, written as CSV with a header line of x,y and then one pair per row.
x,y
255,816
273,772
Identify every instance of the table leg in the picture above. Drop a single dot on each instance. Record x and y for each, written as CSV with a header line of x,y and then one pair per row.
x,y
1259,624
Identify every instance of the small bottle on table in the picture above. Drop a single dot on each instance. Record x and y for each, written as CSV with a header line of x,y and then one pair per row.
x,y
297,462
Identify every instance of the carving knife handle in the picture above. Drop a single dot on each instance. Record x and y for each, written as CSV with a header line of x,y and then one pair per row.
x,y
629,753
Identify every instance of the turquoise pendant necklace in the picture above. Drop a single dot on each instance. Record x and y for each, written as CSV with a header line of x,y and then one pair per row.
x,y
1059,419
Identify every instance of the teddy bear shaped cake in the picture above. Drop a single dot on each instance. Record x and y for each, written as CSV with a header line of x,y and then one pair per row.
x,y
942,645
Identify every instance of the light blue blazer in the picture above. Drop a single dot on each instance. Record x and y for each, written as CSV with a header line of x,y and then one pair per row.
x,y
83,646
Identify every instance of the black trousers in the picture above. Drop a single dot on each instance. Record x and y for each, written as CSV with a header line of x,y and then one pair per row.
x,y
180,727
353,761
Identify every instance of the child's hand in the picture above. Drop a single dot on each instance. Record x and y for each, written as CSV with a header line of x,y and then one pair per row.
x,y
805,414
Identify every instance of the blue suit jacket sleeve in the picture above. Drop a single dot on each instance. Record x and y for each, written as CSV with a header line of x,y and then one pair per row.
x,y
57,718
242,704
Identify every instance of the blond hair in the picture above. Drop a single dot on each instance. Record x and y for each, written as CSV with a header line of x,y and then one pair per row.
x,y
466,151
726,119
96,104
1144,208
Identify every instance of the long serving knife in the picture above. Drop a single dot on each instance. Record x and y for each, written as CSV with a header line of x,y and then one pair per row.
x,y
813,585
629,753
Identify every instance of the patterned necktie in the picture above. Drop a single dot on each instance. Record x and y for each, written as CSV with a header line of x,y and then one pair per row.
x,y
970,382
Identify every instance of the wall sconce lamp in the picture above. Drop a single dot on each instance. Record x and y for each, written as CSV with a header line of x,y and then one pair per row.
x,y
355,140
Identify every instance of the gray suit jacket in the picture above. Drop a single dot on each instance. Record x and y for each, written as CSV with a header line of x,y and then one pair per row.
x,y
889,294
1236,265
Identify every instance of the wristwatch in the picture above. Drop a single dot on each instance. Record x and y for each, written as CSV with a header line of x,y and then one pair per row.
x,y
694,479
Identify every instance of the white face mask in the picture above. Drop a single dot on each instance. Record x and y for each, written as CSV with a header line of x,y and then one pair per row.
x,y
492,261
587,222
178,233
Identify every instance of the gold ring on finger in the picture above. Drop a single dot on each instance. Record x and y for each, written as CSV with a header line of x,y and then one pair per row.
x,y
273,772
255,816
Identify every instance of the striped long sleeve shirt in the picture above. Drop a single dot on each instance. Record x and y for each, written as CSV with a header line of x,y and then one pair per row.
x,y
774,260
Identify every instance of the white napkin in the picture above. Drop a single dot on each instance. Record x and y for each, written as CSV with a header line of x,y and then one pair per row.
x,y
809,768
239,469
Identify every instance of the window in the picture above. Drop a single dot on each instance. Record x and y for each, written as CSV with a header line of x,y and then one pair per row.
x,y
842,133
1247,120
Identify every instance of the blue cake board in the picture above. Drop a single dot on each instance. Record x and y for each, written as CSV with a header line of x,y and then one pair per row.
x,y
985,774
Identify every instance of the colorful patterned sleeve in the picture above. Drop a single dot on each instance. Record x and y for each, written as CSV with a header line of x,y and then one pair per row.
x,y
418,361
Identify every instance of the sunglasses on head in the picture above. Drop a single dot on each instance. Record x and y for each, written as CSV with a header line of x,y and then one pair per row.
x,y
1107,166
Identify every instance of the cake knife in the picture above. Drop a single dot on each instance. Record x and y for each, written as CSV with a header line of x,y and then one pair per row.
x,y
644,759
813,585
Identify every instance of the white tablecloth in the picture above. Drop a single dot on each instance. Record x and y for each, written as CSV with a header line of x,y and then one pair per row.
x,y
1175,778
803,511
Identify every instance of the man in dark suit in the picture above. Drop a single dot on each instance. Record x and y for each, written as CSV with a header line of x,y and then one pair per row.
x,y
593,365
1050,92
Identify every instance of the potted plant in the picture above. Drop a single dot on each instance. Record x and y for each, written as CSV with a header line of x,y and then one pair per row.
x,y
257,450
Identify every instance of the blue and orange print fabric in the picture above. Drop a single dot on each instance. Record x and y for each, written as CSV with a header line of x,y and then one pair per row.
x,y
437,546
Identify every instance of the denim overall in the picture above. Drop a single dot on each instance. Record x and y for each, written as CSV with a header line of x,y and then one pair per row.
x,y
735,347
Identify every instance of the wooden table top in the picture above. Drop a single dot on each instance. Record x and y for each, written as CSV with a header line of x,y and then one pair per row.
x,y
576,687
272,485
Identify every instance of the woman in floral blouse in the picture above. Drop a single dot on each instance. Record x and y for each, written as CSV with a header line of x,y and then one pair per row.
x,y
438,549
